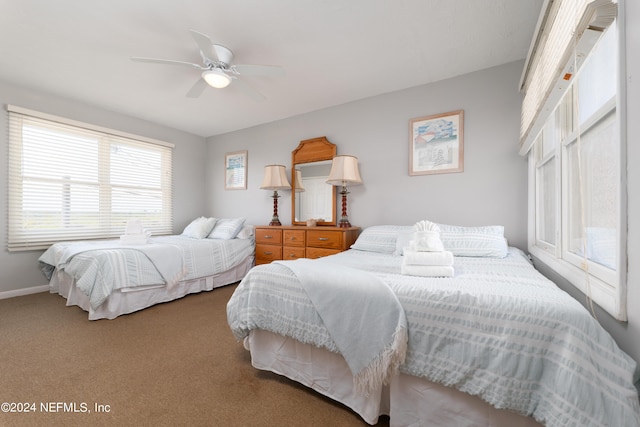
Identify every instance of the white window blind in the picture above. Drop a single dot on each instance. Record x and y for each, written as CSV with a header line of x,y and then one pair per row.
x,y
565,28
72,181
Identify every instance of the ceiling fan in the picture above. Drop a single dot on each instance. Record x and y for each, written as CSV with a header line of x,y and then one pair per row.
x,y
217,69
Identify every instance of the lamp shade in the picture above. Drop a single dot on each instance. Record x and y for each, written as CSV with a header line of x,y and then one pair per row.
x,y
216,78
344,170
275,178
299,187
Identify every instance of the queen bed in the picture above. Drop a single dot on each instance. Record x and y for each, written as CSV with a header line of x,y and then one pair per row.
x,y
109,278
497,344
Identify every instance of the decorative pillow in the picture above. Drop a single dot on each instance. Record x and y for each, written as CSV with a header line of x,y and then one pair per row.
x,y
199,228
245,232
227,228
487,241
379,238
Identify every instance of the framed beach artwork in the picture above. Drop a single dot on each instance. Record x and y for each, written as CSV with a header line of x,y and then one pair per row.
x,y
436,144
235,170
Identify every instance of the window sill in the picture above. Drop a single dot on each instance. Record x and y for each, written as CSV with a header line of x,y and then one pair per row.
x,y
603,294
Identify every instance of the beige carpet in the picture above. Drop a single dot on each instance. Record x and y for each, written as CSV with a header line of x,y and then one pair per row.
x,y
171,364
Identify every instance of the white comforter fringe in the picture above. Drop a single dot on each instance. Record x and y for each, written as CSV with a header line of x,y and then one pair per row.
x,y
380,370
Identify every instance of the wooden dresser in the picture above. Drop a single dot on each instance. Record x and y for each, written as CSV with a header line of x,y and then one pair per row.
x,y
293,242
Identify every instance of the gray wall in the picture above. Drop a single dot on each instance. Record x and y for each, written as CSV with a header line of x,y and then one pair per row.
x,y
19,270
491,190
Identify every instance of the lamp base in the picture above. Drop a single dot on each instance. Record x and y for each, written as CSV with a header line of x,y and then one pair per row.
x,y
344,223
344,219
274,219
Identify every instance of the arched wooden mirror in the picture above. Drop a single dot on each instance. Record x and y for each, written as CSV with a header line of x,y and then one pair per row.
x,y
313,197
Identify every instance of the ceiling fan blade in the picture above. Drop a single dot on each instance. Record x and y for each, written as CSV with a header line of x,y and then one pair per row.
x,y
248,90
204,44
260,70
196,90
166,61
224,54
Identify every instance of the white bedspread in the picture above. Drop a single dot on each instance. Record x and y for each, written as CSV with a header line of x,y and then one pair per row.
x,y
498,330
100,268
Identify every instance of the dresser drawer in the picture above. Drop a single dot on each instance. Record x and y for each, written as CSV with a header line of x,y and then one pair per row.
x,y
267,253
292,252
269,236
324,239
292,242
293,238
320,252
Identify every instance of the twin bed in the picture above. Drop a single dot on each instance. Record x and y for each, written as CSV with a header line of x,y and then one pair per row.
x,y
113,277
495,345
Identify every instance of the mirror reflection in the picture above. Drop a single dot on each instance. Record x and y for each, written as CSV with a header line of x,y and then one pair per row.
x,y
313,196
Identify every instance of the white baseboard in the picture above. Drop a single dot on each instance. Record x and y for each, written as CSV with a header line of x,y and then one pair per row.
x,y
25,291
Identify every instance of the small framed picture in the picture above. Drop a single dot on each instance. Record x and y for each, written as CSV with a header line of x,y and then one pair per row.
x,y
235,170
436,144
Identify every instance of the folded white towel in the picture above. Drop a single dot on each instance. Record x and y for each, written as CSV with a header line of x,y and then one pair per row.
x,y
134,233
134,226
134,239
425,225
426,241
427,270
412,257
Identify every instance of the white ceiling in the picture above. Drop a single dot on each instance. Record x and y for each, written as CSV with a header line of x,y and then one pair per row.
x,y
333,51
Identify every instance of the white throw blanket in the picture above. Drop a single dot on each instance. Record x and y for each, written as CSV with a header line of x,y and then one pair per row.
x,y
363,317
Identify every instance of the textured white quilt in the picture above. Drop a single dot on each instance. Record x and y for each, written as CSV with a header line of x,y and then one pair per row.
x,y
100,268
498,330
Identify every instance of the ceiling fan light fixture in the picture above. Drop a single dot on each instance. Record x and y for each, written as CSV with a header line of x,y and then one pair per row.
x,y
216,78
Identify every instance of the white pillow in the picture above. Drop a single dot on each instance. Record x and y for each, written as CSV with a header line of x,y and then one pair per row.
x,y
379,238
226,228
245,232
199,228
487,241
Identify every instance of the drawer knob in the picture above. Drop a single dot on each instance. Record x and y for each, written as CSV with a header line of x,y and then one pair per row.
x,y
268,253
268,237
323,238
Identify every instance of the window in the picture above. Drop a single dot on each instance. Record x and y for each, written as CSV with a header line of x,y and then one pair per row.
x,y
71,181
577,171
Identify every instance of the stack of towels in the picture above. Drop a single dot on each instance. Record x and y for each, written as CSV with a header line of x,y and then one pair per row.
x,y
425,256
134,233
